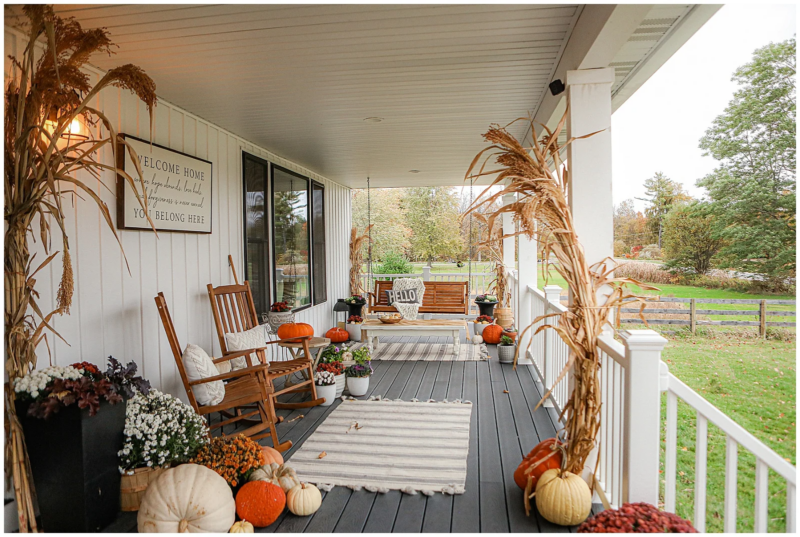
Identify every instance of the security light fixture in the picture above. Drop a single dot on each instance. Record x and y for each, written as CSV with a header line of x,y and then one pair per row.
x,y
556,87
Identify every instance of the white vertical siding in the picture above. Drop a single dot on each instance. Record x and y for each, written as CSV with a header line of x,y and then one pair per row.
x,y
113,311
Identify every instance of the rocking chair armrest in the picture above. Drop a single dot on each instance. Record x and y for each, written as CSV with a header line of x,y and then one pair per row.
x,y
231,374
237,354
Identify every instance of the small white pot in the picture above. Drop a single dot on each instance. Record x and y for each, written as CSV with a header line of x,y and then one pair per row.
x,y
339,384
328,392
357,385
354,329
477,328
506,353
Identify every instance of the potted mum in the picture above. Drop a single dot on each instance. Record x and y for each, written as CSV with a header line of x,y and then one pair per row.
x,y
330,360
506,350
358,374
486,304
481,322
354,327
355,303
160,431
73,423
326,386
232,457
279,313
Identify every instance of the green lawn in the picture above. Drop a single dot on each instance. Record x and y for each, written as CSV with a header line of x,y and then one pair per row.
x,y
752,381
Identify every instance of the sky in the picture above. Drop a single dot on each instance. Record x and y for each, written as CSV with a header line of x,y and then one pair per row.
x,y
660,126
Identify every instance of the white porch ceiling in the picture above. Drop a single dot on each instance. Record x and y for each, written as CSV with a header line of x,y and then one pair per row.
x,y
301,80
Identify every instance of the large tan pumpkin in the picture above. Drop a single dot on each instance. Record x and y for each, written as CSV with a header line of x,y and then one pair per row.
x,y
277,474
304,499
563,498
187,499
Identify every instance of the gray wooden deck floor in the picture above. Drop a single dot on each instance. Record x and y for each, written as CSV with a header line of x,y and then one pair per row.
x,y
504,427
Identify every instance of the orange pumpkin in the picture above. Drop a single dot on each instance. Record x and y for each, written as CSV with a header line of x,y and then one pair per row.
x,y
546,457
492,334
260,503
293,330
337,335
271,455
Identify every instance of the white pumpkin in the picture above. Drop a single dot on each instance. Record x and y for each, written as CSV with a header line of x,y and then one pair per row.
x,y
304,499
277,474
477,340
187,499
563,498
242,526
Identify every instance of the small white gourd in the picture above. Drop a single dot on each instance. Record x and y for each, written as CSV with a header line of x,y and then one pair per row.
x,y
242,526
187,499
304,499
477,340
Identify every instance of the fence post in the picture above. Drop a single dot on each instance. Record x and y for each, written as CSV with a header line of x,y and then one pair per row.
x,y
642,424
552,294
426,273
693,316
762,319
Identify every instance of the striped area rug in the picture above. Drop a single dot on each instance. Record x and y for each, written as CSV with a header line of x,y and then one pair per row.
x,y
428,352
383,445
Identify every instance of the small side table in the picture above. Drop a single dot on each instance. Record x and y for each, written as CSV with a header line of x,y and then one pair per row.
x,y
296,350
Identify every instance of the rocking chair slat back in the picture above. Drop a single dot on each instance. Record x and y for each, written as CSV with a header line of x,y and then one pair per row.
x,y
233,309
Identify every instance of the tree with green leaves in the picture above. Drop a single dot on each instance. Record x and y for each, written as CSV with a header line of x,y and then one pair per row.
x,y
390,232
432,215
662,193
689,242
752,191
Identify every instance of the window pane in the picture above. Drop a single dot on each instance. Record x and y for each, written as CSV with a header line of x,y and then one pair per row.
x,y
290,230
256,237
318,236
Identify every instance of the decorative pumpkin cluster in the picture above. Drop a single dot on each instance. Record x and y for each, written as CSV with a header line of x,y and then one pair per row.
x,y
279,307
232,457
50,389
160,430
636,518
271,488
355,319
484,319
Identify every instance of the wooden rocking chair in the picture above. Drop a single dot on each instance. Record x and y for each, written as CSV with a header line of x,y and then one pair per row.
x,y
235,311
248,392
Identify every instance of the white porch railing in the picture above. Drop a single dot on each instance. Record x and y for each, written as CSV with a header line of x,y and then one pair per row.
x,y
632,380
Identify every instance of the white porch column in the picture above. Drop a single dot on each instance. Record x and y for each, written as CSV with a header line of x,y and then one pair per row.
x,y
641,436
589,160
528,275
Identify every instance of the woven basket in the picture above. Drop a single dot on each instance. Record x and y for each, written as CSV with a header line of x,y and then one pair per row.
x,y
132,487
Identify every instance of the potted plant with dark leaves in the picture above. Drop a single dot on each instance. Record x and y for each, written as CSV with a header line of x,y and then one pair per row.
x,y
73,418
510,332
355,304
506,350
354,323
326,386
358,374
486,304
160,431
330,359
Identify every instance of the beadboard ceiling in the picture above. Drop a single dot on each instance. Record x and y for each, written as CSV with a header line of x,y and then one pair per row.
x,y
302,80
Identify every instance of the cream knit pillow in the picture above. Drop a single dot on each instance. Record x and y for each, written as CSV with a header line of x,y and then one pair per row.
x,y
241,341
198,366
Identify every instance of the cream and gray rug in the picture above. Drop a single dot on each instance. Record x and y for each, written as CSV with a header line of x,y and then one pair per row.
x,y
381,445
428,352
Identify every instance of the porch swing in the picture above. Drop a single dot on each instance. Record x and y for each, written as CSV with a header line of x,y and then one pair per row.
x,y
440,297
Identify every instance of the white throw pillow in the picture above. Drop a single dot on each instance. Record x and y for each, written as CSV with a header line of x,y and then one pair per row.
x,y
241,341
199,366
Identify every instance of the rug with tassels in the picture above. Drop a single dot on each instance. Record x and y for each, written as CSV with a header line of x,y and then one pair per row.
x,y
443,352
382,445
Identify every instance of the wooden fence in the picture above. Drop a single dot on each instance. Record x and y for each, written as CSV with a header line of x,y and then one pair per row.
x,y
763,313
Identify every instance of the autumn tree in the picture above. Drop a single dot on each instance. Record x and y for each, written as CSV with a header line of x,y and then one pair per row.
x,y
689,240
631,227
432,214
661,194
752,191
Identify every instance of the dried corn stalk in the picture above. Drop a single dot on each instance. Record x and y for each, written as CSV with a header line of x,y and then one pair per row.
x,y
43,163
538,177
357,258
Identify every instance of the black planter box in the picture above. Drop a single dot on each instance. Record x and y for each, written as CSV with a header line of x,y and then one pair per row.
x,y
75,466
486,308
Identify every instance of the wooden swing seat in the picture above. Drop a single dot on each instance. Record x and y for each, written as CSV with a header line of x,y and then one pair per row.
x,y
440,297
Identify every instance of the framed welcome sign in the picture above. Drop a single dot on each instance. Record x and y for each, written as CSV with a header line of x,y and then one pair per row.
x,y
178,189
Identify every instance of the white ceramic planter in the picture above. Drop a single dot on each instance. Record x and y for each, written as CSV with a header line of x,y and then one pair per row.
x,y
357,385
506,353
340,382
355,331
328,392
477,328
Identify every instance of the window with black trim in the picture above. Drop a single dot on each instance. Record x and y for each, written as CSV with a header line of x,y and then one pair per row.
x,y
319,276
256,229
291,238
